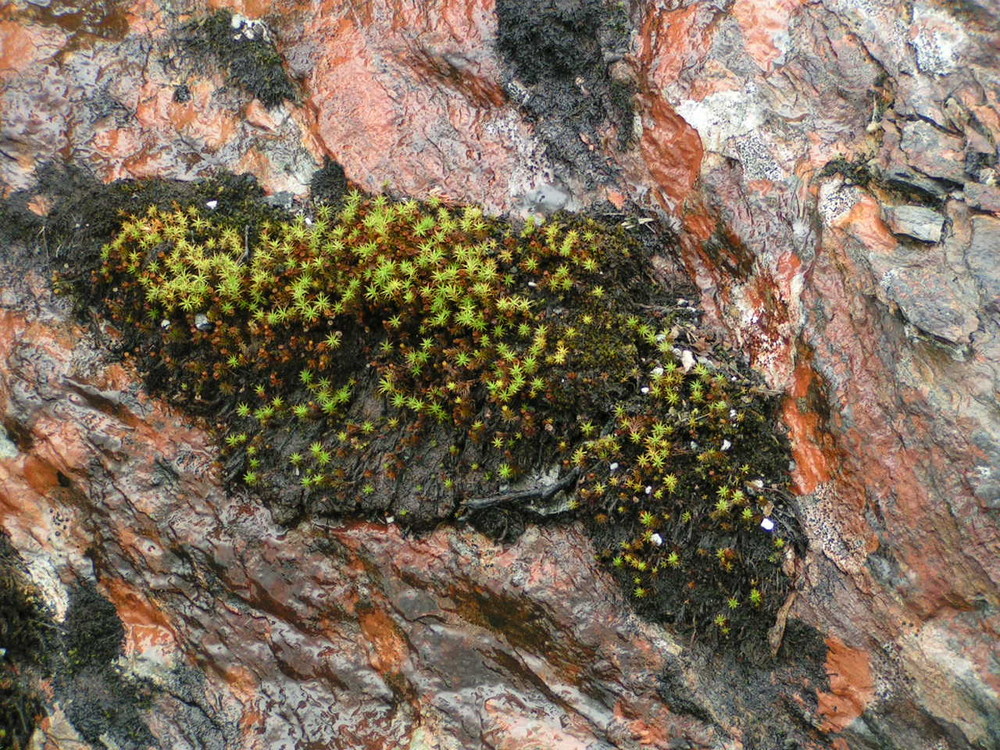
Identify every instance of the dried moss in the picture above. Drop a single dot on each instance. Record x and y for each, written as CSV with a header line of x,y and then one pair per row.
x,y
559,57
246,52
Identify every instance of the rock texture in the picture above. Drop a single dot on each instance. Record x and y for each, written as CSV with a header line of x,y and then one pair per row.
x,y
833,167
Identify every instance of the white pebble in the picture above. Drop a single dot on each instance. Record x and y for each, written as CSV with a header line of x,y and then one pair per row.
x,y
767,524
687,359
656,539
212,205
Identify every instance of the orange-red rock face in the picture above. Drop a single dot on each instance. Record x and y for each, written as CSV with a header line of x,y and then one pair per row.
x,y
867,292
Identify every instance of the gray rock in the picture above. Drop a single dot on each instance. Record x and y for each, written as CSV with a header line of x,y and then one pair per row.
x,y
983,197
7,447
284,200
983,257
904,177
546,199
933,152
202,323
920,223
934,300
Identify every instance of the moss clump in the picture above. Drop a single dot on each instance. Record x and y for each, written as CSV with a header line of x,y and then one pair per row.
x,y
104,705
679,484
24,629
245,51
423,360
855,172
563,52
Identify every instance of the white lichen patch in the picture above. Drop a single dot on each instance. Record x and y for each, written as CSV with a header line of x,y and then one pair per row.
x,y
732,123
938,40
820,522
724,115
43,575
755,156
836,199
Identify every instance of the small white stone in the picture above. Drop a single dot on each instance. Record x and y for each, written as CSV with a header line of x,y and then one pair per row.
x,y
614,466
726,445
644,389
767,524
390,519
687,359
212,205
656,539
649,490
165,324
657,372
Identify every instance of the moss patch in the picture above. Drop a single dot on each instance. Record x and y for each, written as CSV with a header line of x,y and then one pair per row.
x,y
563,52
99,700
24,636
245,51
424,361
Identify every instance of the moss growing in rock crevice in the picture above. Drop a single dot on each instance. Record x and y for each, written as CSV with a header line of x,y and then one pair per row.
x,y
24,640
104,706
424,361
565,53
245,51
76,660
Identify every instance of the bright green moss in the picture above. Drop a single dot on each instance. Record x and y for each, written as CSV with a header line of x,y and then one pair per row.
x,y
416,358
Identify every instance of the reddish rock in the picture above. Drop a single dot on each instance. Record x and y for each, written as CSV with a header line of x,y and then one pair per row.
x,y
410,97
765,27
851,686
355,632
22,47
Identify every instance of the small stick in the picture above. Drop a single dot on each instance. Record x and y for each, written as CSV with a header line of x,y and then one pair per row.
x,y
546,492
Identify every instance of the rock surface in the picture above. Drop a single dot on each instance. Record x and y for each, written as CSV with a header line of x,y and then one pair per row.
x,y
774,134
920,223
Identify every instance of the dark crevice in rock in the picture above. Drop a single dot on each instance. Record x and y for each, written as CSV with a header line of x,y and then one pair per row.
x,y
566,73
